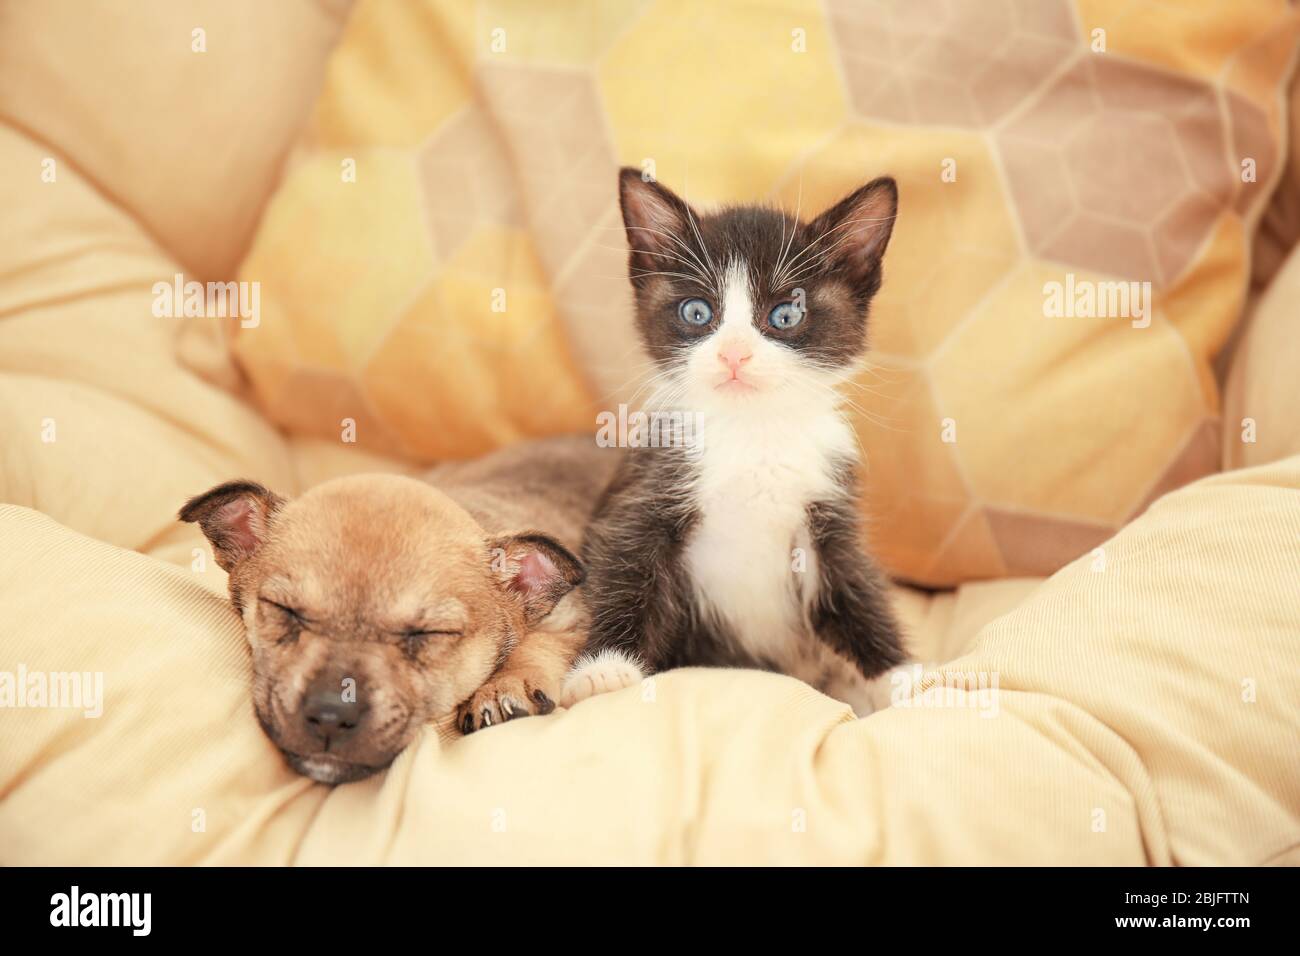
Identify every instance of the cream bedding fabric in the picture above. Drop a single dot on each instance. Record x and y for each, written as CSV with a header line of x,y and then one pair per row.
x,y
1122,731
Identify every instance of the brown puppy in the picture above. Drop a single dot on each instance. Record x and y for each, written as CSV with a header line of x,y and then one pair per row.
x,y
377,603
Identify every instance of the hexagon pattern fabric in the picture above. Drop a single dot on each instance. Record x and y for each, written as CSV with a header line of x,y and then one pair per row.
x,y
444,263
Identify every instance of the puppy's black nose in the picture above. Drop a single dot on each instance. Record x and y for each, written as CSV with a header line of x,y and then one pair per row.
x,y
328,714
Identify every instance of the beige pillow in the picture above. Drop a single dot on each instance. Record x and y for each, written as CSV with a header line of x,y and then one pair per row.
x,y
184,129
1262,397
130,157
102,428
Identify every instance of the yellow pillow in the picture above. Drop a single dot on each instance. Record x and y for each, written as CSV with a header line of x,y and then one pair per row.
x,y
443,267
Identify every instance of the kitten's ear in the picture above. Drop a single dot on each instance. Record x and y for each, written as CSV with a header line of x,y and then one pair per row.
x,y
236,517
536,570
656,221
856,230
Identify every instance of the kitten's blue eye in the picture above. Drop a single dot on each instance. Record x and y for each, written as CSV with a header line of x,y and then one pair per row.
x,y
695,312
785,316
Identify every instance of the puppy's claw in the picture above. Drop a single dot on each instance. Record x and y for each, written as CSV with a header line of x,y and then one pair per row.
x,y
512,709
502,699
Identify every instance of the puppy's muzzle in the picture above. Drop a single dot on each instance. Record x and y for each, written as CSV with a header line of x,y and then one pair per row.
x,y
328,716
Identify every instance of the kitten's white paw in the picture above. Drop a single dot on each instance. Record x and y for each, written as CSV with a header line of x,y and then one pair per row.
x,y
600,673
879,694
864,696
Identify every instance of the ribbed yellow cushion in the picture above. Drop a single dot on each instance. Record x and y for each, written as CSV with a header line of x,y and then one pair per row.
x,y
1145,713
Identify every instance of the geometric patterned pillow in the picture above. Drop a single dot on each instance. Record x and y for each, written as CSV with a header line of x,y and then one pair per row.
x,y
444,263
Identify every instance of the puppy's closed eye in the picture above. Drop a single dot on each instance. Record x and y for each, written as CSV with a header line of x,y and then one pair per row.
x,y
294,619
431,632
285,609
416,639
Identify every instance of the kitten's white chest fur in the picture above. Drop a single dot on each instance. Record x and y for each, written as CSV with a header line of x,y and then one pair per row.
x,y
750,558
760,460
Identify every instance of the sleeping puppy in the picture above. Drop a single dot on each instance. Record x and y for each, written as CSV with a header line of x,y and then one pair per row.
x,y
377,603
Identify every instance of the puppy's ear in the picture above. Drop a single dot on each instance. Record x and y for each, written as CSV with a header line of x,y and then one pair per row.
x,y
536,570
657,224
235,517
855,231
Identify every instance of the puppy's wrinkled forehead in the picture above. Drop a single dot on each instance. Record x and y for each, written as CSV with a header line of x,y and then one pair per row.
x,y
376,539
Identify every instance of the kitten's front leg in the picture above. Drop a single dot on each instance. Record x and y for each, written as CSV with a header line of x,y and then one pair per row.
x,y
850,611
634,593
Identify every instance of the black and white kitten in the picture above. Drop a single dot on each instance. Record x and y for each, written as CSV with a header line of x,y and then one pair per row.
x,y
742,549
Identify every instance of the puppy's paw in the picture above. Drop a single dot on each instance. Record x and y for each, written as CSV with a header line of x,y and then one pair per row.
x,y
600,673
504,697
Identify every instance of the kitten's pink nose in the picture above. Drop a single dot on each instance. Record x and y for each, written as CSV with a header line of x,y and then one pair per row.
x,y
733,355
